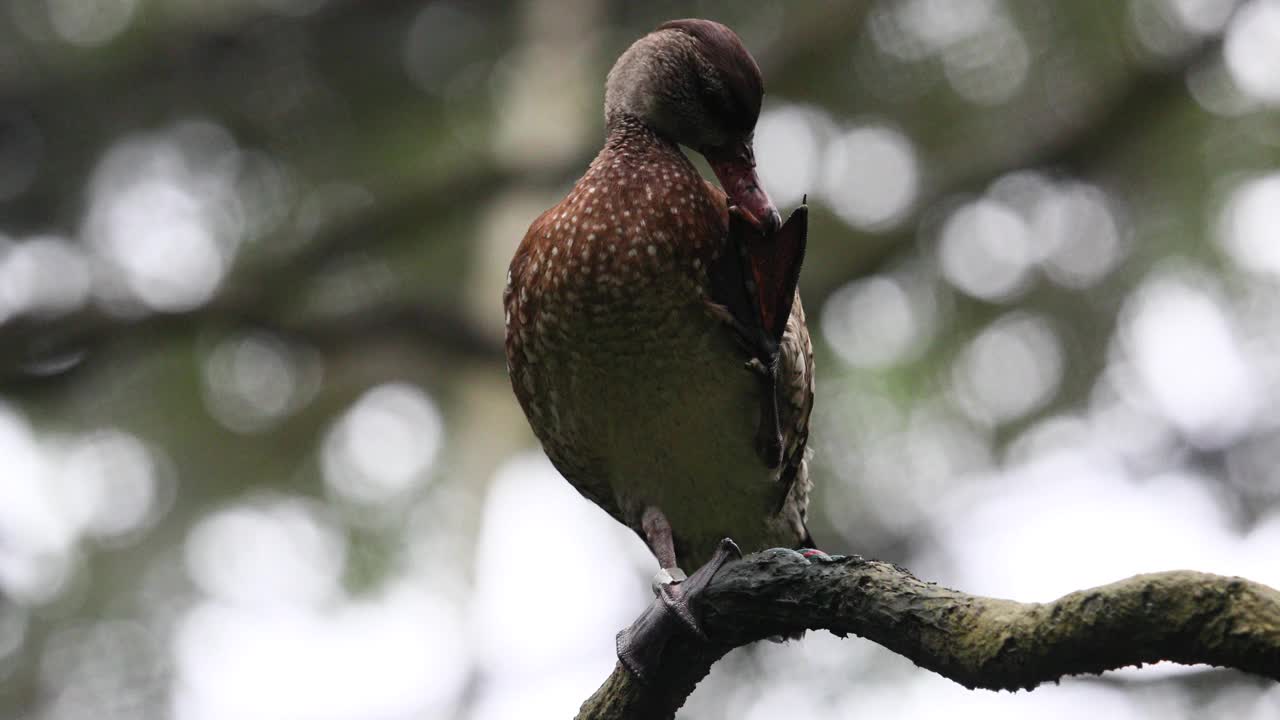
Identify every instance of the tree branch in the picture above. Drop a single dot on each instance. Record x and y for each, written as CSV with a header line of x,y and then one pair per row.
x,y
1183,616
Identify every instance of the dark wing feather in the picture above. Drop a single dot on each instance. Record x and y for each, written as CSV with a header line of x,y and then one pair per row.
x,y
775,268
754,282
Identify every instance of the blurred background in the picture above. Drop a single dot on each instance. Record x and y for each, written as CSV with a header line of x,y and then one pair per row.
x,y
259,458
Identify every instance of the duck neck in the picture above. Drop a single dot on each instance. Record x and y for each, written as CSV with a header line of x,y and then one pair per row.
x,y
628,132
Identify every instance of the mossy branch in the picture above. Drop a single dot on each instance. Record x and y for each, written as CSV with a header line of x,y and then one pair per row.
x,y
1182,616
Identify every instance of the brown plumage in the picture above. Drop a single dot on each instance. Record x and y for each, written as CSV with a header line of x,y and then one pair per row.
x,y
634,313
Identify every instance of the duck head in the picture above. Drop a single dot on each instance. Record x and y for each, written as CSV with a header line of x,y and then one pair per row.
x,y
694,83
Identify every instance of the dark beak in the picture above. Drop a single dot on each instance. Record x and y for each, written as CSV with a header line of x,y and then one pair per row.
x,y
735,168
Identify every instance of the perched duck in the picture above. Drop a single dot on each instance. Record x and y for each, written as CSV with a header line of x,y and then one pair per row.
x,y
655,336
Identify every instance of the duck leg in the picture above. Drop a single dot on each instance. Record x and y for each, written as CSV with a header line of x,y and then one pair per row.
x,y
641,644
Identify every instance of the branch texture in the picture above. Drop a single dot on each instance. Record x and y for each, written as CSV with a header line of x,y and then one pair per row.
x,y
1183,616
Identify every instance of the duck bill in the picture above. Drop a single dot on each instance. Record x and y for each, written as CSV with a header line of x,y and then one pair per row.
x,y
735,168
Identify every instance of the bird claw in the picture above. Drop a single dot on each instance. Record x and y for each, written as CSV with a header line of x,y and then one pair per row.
x,y
640,645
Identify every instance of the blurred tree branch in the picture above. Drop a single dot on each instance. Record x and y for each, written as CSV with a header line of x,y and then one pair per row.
x,y
36,348
1183,616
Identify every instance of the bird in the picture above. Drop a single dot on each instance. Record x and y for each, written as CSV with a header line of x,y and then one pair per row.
x,y
655,338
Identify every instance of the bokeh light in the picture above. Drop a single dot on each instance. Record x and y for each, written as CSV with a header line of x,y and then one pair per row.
x,y
870,177
1248,229
1252,49
111,480
437,43
42,276
983,54
867,174
1175,330
985,250
1202,17
253,382
384,445
164,219
275,625
789,145
90,22
60,491
282,553
1012,367
1083,240
882,320
110,669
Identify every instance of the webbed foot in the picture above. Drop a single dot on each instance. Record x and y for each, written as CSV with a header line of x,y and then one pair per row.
x,y
675,609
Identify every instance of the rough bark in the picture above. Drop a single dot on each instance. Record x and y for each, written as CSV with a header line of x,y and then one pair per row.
x,y
1182,616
